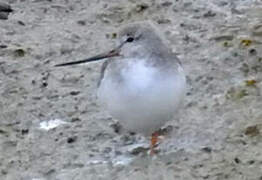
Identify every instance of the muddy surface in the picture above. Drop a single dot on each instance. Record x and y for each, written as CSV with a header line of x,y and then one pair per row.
x,y
52,128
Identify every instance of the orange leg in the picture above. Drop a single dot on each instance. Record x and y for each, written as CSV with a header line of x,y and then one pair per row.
x,y
154,139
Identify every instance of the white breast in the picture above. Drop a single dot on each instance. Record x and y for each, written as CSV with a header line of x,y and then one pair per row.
x,y
146,98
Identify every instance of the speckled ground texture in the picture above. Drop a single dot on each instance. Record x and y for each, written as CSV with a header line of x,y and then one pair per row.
x,y
216,135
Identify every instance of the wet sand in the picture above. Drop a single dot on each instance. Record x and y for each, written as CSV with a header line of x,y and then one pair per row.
x,y
52,128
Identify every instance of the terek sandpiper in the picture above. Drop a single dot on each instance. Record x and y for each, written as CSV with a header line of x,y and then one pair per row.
x,y
142,82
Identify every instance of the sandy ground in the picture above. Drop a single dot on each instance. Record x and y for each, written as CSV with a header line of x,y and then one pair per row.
x,y
51,127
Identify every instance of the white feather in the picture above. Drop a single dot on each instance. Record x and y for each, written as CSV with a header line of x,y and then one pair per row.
x,y
146,99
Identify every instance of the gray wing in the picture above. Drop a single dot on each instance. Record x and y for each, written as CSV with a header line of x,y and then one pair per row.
x,y
102,71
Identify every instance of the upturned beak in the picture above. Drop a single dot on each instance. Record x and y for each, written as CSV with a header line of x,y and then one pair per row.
x,y
112,53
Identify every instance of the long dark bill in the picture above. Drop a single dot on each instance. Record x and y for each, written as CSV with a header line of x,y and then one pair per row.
x,y
112,53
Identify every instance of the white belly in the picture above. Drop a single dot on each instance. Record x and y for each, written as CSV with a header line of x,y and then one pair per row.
x,y
145,99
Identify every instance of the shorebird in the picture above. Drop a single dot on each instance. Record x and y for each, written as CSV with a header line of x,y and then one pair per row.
x,y
142,82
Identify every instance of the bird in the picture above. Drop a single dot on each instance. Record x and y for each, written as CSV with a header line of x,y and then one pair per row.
x,y
142,82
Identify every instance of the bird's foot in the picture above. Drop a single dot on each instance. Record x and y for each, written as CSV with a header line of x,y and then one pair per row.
x,y
154,140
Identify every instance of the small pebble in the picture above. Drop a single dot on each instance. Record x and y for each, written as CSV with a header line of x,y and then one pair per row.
x,y
166,4
21,23
81,22
141,7
24,131
74,93
71,139
209,14
252,131
253,52
237,160
207,149
19,53
3,46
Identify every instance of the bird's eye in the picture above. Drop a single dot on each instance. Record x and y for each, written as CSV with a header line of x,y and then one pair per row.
x,y
130,39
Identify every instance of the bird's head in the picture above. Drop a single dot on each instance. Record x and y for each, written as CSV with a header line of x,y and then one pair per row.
x,y
134,40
